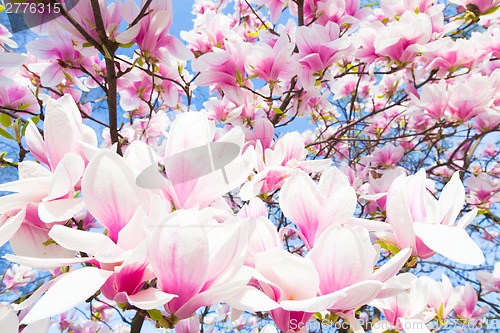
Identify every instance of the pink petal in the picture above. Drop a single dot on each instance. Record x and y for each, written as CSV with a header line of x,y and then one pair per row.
x,y
178,250
216,294
301,202
110,192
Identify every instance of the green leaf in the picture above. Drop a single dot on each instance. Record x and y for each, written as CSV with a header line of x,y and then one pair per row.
x,y
6,134
23,129
278,111
128,45
35,120
23,106
389,247
5,120
155,314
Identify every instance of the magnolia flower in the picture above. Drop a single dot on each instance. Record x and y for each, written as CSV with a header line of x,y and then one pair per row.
x,y
277,162
409,305
427,225
198,259
465,307
490,281
18,276
400,40
315,207
443,298
293,288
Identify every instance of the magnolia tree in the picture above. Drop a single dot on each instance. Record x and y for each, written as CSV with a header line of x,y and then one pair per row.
x,y
285,165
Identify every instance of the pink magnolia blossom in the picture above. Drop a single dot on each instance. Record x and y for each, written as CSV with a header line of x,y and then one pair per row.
x,y
204,264
427,225
275,163
483,189
272,63
465,101
315,207
433,100
482,5
224,67
490,281
443,297
319,47
466,307
151,34
411,304
388,155
64,59
19,97
18,276
45,196
400,40
293,288
186,186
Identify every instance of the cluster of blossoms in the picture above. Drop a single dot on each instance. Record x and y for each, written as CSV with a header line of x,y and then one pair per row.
x,y
341,222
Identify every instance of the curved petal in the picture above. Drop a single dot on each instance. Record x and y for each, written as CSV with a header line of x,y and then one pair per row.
x,y
150,298
452,242
62,128
88,242
178,250
392,267
45,263
11,226
357,295
252,300
398,214
217,294
315,304
452,200
59,210
8,319
301,202
110,192
69,291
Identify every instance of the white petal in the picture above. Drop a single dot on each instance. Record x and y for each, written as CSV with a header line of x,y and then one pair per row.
x,y
8,320
45,263
41,326
251,299
10,227
150,298
71,289
78,240
392,267
59,210
452,242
